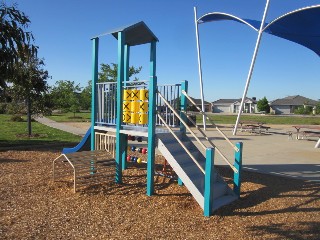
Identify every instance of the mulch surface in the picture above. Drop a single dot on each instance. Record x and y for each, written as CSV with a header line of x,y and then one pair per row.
x,y
32,206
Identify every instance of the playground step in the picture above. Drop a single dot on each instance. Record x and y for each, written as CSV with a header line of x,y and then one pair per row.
x,y
190,173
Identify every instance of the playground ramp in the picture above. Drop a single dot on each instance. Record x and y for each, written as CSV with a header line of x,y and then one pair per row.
x,y
190,174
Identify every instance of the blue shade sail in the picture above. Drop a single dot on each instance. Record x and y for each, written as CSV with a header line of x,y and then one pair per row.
x,y
301,26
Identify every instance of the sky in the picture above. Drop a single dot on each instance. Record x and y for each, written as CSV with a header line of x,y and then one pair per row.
x,y
63,29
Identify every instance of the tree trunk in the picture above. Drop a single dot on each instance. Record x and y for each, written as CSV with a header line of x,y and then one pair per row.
x,y
29,116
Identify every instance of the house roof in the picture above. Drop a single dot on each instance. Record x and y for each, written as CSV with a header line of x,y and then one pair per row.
x,y
135,34
296,100
198,101
230,101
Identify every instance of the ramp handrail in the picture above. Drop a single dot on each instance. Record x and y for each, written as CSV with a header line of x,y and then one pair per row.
x,y
182,121
180,142
212,144
204,114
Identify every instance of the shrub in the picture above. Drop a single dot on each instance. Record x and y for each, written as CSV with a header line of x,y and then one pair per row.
x,y
303,110
3,108
16,118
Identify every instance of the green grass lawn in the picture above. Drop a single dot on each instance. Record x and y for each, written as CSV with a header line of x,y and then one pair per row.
x,y
69,117
267,119
14,134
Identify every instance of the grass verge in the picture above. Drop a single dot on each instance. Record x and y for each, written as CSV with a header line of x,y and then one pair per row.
x,y
15,134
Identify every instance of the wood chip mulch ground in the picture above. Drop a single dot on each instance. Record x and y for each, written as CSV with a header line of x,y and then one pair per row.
x,y
33,207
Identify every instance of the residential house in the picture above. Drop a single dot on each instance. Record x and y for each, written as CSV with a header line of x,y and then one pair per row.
x,y
289,104
233,105
198,102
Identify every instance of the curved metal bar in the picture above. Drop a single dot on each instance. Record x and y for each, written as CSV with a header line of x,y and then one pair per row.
x,y
225,16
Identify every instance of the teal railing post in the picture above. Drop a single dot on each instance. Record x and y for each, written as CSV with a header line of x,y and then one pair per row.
x,y
95,51
208,182
126,79
151,120
183,111
120,151
238,166
183,106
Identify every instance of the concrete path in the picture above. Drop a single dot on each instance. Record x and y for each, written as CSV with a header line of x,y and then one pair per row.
x,y
61,126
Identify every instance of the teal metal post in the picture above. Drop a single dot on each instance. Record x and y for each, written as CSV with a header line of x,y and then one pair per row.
x,y
183,106
208,182
238,166
95,50
119,136
126,79
151,120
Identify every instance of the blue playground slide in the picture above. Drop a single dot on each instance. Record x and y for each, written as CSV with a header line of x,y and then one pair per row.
x,y
84,145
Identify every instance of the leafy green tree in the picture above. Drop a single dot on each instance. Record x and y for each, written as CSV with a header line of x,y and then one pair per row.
x,y
318,108
263,105
30,86
15,41
21,71
65,95
109,72
85,96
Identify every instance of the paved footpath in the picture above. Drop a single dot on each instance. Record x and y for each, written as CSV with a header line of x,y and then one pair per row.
x,y
61,126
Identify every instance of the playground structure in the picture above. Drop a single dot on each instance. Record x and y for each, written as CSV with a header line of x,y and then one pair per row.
x,y
144,109
158,113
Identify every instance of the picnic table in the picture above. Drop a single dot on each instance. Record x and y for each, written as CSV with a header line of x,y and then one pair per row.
x,y
253,126
309,132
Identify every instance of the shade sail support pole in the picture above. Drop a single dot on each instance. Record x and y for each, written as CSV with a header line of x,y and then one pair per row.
x,y
199,67
251,66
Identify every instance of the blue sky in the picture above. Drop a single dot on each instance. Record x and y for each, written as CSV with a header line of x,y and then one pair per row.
x,y
63,29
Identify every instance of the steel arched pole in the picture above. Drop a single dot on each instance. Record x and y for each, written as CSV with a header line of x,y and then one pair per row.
x,y
251,66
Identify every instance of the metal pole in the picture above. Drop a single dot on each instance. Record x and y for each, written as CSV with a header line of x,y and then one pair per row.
x,y
251,66
199,67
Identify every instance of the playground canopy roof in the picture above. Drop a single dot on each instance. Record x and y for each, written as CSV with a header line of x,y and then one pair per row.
x,y
135,34
301,26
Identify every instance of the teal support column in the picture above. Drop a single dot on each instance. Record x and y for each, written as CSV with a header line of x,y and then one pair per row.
x,y
208,182
126,79
238,166
151,120
95,50
183,106
119,137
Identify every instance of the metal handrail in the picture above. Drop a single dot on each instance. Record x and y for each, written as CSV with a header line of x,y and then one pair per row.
x,y
181,120
212,144
204,114
182,145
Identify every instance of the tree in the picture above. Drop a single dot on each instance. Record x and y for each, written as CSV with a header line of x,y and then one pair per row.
x,y
15,41
263,105
65,95
109,73
30,86
85,96
20,68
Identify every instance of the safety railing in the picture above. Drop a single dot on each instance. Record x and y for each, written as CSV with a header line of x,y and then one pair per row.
x,y
171,93
205,136
213,124
107,97
106,103
187,127
105,141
